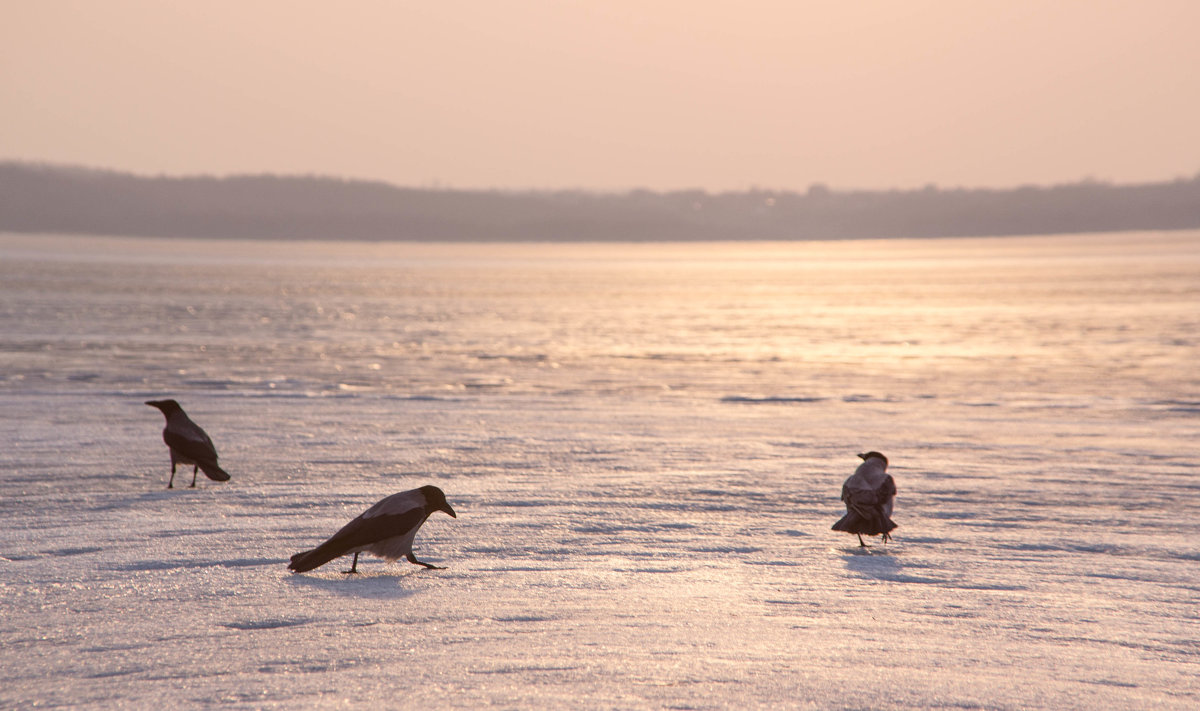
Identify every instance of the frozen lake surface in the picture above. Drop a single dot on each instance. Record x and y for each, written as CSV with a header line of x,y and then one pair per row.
x,y
645,445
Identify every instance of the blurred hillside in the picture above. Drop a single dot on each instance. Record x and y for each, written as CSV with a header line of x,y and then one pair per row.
x,y
66,199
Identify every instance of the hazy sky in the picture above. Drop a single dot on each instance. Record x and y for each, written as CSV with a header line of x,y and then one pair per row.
x,y
610,94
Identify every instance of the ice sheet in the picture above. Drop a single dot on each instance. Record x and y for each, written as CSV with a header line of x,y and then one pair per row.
x,y
645,446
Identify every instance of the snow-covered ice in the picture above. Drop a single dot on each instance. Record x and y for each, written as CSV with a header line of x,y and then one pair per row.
x,y
645,446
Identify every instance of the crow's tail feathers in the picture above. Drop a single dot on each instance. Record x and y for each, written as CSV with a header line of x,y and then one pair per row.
x,y
315,558
212,471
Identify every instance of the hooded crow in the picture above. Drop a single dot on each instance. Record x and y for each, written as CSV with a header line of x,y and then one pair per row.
x,y
869,494
386,529
188,443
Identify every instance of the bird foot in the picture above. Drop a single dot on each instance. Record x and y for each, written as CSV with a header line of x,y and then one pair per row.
x,y
350,572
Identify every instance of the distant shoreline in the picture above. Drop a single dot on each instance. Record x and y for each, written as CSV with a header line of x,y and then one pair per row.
x,y
41,198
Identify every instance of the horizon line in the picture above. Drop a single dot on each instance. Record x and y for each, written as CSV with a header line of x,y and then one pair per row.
x,y
436,186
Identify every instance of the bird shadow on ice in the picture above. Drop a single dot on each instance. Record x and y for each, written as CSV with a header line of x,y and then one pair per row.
x,y
141,566
384,585
125,501
880,565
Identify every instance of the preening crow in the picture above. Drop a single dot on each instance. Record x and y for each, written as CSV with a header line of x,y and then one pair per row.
x,y
386,529
188,443
869,494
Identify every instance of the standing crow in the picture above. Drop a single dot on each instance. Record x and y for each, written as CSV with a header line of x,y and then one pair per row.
x,y
188,443
869,494
386,529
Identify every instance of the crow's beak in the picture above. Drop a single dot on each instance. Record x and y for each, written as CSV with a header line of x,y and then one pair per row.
x,y
450,511
863,456
152,403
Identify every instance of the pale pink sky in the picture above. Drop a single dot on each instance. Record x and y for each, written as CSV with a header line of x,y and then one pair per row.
x,y
610,94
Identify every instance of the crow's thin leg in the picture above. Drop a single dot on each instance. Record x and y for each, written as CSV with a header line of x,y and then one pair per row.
x,y
353,567
194,470
171,483
861,542
413,559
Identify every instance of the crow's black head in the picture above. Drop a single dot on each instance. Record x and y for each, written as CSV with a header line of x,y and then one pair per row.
x,y
867,455
166,406
435,500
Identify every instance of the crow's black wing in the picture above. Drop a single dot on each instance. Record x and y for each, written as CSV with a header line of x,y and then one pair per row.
x,y
364,531
200,451
360,532
197,450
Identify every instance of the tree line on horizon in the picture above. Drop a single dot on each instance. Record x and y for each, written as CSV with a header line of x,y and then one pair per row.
x,y
42,198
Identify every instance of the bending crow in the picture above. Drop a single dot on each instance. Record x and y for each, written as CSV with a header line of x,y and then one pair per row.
x,y
386,529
